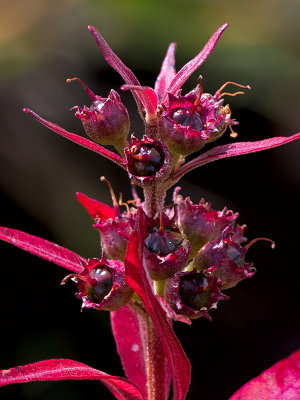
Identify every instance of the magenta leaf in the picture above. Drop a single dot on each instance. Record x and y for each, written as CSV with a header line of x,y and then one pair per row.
x,y
195,63
137,278
42,248
130,332
167,72
280,382
232,150
60,369
95,208
114,61
78,139
147,96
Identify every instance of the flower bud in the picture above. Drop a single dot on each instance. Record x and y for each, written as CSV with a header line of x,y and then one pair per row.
x,y
228,260
193,293
106,121
102,285
148,161
189,122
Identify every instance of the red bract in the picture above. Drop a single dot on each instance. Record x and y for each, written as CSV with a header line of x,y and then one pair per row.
x,y
59,370
280,382
137,278
112,225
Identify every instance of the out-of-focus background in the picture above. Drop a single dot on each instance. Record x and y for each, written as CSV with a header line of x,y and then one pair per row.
x,y
41,44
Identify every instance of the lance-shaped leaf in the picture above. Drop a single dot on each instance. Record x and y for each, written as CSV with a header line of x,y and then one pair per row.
x,y
195,63
232,150
167,72
43,248
61,369
78,139
95,208
115,62
280,382
137,278
130,333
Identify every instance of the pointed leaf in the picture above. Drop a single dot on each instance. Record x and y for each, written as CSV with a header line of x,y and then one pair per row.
x,y
232,150
60,369
130,334
114,61
147,96
280,382
195,63
137,278
167,72
42,248
78,139
95,208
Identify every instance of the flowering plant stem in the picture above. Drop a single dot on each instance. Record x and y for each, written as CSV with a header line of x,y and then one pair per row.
x,y
159,263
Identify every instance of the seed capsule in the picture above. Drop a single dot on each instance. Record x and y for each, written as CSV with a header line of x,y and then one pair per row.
x,y
166,252
193,293
103,285
148,159
193,290
186,118
163,242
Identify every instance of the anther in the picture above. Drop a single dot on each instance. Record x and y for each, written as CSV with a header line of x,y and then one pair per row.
x,y
233,134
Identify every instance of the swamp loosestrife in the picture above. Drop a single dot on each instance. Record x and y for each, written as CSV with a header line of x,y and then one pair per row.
x,y
159,263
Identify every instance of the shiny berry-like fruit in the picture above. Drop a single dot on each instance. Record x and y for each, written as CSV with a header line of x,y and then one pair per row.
x,y
187,118
147,159
163,242
193,290
102,283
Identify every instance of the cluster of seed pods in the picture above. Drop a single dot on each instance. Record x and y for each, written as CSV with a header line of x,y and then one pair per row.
x,y
190,251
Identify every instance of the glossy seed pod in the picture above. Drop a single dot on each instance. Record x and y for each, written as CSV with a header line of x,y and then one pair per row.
x,y
193,294
189,122
166,252
102,285
148,161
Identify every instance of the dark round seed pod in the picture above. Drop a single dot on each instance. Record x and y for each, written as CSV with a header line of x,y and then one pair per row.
x,y
166,252
193,293
185,117
102,284
148,161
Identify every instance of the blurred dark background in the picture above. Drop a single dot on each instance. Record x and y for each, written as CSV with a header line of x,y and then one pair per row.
x,y
43,43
